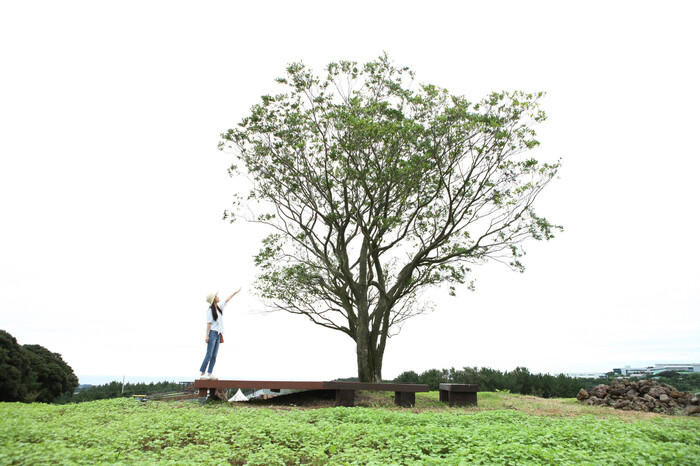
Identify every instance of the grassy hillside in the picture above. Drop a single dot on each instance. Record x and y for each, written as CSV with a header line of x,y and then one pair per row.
x,y
504,428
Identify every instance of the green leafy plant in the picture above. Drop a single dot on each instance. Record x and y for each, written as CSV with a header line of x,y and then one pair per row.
x,y
126,431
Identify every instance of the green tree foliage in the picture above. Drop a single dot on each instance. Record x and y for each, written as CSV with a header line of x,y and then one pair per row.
x,y
434,377
33,373
376,189
674,375
52,378
114,390
408,377
15,372
682,381
520,380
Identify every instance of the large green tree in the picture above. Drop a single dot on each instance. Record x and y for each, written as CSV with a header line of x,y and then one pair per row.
x,y
32,373
376,188
51,377
15,369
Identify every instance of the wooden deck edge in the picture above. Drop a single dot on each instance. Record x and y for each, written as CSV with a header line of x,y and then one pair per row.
x,y
247,384
308,385
458,387
387,387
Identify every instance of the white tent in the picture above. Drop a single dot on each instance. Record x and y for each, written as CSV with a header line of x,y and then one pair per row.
x,y
239,396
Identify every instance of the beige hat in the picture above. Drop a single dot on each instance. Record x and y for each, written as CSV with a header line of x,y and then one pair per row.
x,y
211,297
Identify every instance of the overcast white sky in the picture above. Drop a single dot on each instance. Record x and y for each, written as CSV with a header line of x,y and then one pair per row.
x,y
112,189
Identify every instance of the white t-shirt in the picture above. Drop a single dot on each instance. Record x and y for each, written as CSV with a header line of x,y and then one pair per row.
x,y
218,324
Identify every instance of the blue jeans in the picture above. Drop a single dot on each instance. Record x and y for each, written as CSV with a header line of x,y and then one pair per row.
x,y
212,351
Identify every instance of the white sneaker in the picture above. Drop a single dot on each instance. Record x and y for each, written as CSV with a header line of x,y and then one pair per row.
x,y
205,377
211,377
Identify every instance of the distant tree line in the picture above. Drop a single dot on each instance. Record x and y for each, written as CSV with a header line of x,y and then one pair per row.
x,y
115,390
31,373
521,381
684,382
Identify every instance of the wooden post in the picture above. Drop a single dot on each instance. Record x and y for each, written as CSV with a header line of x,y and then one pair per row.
x,y
458,394
462,398
405,399
345,397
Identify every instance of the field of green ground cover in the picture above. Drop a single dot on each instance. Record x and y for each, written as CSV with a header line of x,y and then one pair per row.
x,y
504,428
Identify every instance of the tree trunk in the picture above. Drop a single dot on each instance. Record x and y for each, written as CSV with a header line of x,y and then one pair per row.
x,y
369,358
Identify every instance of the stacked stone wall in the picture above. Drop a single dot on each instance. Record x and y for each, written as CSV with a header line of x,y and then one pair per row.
x,y
643,395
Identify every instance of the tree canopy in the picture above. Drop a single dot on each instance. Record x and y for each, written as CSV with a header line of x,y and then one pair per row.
x,y
15,371
520,380
32,373
376,188
51,376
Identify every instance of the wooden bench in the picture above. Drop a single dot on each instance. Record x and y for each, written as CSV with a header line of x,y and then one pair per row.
x,y
404,393
459,394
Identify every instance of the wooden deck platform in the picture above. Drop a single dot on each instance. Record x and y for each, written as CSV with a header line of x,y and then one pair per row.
x,y
405,393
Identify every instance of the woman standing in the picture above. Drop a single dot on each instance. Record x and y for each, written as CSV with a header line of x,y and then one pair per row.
x,y
215,332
